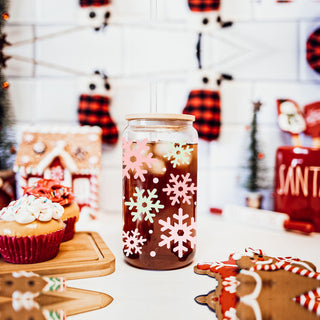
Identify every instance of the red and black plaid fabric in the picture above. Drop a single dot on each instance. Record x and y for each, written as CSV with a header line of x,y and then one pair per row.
x,y
204,5
94,3
94,111
313,50
205,106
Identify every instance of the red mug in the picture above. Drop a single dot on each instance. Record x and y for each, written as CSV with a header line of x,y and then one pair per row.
x,y
297,184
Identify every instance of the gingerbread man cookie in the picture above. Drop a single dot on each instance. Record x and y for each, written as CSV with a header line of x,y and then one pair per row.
x,y
252,285
23,290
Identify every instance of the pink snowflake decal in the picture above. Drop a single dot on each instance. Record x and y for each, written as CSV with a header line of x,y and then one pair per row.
x,y
57,173
180,189
136,158
180,233
132,243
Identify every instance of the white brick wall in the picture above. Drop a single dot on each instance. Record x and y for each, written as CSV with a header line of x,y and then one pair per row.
x,y
150,46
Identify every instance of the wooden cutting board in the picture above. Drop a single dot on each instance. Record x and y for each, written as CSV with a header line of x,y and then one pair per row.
x,y
72,301
85,256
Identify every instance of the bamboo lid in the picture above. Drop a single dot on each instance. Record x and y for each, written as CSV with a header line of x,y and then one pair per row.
x,y
160,116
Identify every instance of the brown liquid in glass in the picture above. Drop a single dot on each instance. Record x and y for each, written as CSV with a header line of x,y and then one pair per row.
x,y
152,255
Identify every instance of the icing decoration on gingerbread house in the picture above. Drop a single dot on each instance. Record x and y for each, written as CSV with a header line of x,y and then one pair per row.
x,y
71,155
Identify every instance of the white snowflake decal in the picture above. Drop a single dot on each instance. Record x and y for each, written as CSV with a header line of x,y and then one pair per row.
x,y
132,243
135,158
180,189
230,314
220,264
57,173
230,284
144,204
180,233
179,153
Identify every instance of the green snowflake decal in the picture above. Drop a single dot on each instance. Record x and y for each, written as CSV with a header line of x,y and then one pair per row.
x,y
144,204
179,153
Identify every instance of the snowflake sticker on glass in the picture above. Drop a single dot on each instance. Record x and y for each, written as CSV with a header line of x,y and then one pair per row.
x,y
179,153
180,188
135,158
181,235
144,204
132,242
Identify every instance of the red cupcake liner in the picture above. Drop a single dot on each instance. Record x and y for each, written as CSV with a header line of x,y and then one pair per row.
x,y
30,249
70,228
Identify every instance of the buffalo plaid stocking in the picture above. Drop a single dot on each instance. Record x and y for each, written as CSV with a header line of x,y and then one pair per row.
x,y
205,106
94,3
313,50
204,5
94,111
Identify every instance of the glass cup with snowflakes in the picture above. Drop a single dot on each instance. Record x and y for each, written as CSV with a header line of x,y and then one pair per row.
x,y
159,163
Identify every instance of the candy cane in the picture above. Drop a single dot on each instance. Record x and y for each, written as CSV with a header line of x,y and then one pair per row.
x,y
266,267
54,284
94,193
302,272
310,300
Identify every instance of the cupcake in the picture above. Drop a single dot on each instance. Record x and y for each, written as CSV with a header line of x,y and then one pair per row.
x,y
57,193
31,230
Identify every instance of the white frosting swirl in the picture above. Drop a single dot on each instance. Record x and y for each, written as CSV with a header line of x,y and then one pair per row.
x,y
29,208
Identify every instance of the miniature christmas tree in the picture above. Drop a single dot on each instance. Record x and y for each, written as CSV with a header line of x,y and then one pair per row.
x,y
6,130
6,119
256,171
4,16
7,149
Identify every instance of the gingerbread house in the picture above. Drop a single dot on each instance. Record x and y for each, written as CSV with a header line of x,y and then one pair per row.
x,y
71,155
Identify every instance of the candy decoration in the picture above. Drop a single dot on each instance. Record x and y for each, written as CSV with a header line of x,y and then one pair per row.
x,y
39,147
205,106
51,189
94,196
290,119
310,300
244,290
313,50
54,314
204,5
94,110
54,284
79,153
